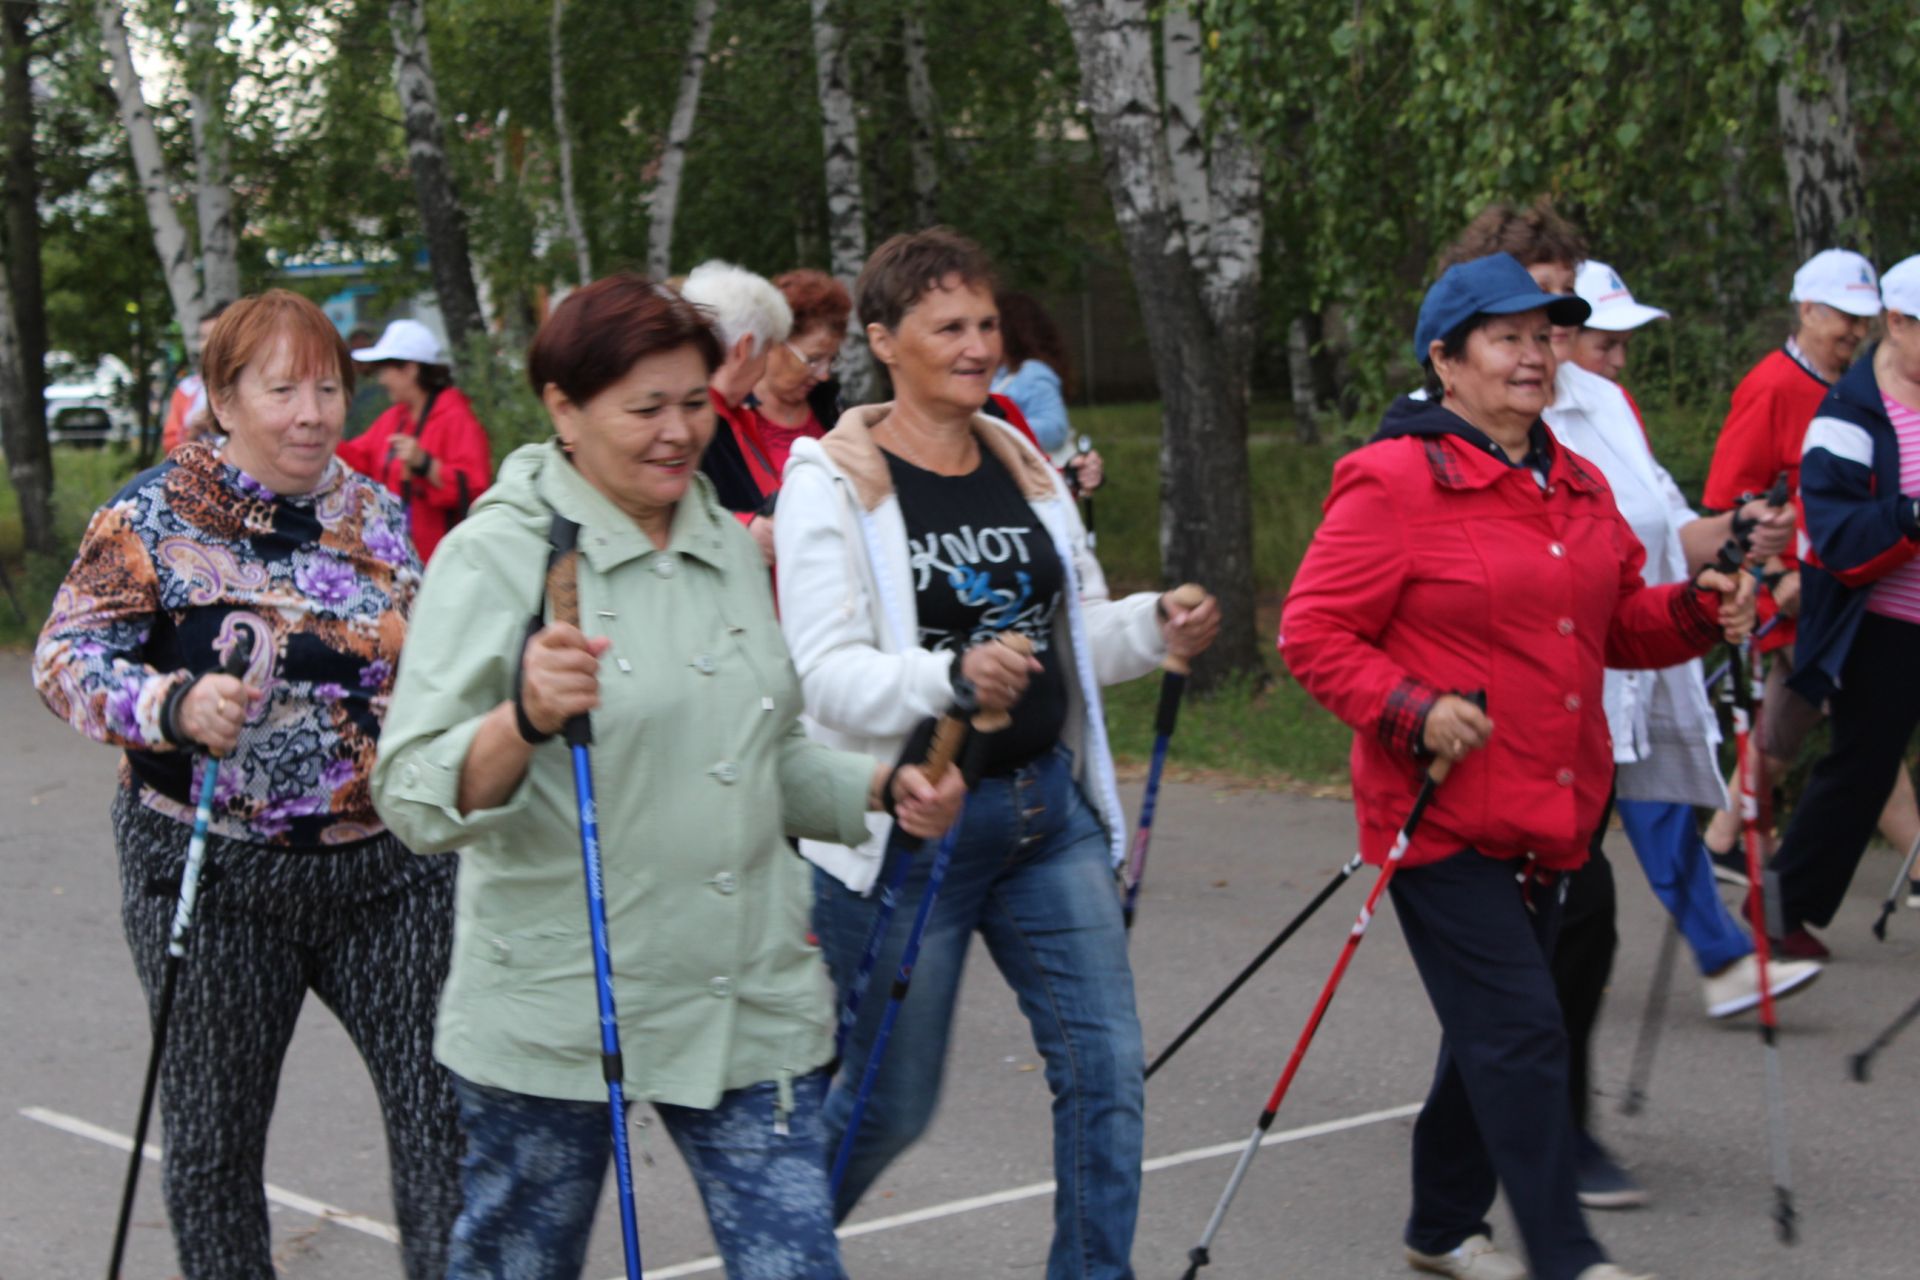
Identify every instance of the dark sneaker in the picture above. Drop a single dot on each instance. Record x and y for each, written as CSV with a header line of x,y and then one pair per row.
x,y
1603,1184
1800,945
1913,893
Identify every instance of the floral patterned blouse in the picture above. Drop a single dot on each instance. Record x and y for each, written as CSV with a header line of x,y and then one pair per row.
x,y
181,562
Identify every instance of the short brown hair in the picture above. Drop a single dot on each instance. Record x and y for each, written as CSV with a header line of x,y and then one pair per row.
x,y
907,266
817,299
595,337
247,329
1534,235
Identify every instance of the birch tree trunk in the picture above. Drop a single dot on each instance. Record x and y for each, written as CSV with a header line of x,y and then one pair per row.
x,y
663,202
922,142
212,154
846,204
23,329
1206,523
1180,78
1817,139
1306,416
441,216
170,238
570,205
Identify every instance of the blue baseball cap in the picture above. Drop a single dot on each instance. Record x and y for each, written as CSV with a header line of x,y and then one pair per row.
x,y
1496,285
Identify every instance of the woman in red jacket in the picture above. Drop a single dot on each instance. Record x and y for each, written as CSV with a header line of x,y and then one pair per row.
x,y
428,448
1464,549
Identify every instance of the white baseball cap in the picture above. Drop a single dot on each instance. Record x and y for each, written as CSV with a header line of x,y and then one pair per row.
x,y
1840,278
1900,287
404,340
1613,306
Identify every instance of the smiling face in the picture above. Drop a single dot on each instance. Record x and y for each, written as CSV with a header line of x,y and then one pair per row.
x,y
943,354
400,379
640,440
1602,351
1504,378
282,422
1831,337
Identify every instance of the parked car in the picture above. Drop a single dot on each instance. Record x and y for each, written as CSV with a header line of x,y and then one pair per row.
x,y
88,406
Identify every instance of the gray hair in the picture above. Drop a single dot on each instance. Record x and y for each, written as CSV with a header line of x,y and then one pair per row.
x,y
739,303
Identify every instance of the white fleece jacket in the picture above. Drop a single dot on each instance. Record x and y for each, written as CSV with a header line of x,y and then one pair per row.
x,y
847,610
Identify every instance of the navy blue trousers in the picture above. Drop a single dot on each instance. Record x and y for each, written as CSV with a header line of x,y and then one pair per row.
x,y
1497,1113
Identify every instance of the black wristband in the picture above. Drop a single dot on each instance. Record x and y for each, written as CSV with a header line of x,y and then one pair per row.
x,y
422,464
964,693
170,712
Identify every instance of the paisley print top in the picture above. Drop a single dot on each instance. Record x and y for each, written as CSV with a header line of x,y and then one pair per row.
x,y
181,562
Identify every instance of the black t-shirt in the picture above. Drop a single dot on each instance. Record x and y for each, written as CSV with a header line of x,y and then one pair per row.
x,y
983,563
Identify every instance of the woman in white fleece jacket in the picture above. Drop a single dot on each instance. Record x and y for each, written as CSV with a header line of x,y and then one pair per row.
x,y
909,537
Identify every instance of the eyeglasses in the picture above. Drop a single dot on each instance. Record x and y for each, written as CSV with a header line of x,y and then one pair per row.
x,y
822,365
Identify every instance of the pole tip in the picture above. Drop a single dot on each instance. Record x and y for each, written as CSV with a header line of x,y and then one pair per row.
x,y
1857,1066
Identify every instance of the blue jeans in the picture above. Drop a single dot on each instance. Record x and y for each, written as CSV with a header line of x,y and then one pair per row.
x,y
535,1166
1666,840
1031,873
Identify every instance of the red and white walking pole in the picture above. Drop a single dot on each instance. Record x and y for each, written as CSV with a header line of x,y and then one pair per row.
x,y
1200,1255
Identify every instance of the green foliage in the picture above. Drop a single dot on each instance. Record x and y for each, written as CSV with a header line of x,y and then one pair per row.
x,y
83,479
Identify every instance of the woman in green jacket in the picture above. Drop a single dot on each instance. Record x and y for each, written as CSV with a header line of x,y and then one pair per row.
x,y
725,1008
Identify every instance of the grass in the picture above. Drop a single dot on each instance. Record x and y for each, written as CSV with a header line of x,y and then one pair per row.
x,y
1272,734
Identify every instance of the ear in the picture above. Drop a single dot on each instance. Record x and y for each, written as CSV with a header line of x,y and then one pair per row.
x,y
742,349
880,342
560,409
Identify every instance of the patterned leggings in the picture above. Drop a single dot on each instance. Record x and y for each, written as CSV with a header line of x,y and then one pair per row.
x,y
369,932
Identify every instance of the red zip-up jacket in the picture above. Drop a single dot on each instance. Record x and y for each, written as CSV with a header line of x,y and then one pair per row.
x,y
1441,568
454,438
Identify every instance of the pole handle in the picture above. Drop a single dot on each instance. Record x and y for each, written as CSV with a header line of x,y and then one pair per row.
x,y
995,721
1188,595
563,594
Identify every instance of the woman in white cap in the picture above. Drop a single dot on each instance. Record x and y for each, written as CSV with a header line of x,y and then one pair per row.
x,y
1835,295
1601,345
1860,625
428,448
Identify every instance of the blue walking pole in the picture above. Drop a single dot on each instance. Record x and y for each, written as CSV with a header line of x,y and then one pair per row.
x,y
1173,683
563,590
236,666
985,722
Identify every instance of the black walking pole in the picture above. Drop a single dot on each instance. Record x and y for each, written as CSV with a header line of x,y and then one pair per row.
x,y
1860,1061
6,584
1173,684
563,589
1652,1017
235,665
1201,1254
1083,447
1266,953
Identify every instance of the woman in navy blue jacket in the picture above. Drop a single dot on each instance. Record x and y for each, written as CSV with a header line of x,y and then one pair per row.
x,y
1860,605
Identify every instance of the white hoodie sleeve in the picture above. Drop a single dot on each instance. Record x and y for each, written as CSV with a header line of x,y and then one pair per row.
x,y
852,679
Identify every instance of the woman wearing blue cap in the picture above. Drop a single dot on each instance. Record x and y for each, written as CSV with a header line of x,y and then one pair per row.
x,y
1464,549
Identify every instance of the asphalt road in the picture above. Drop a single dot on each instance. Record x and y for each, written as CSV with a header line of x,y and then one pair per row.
x,y
971,1200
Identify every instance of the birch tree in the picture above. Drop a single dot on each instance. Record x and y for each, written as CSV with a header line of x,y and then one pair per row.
x,y
208,85
23,334
441,216
1817,141
922,140
846,204
170,239
1194,255
663,201
563,132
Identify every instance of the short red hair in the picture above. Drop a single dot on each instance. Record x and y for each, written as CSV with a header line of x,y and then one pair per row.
x,y
599,332
817,299
247,330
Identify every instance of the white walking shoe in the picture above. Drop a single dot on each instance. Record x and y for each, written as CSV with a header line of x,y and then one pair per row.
x,y
1474,1259
1736,988
1607,1271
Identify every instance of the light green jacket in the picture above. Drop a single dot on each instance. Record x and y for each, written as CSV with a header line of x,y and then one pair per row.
x,y
701,770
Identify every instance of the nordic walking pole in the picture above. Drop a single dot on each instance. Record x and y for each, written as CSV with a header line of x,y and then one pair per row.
x,y
1332,887
563,589
1652,1017
948,737
1082,447
236,666
1900,880
1200,1255
1173,683
1859,1062
1747,756
983,722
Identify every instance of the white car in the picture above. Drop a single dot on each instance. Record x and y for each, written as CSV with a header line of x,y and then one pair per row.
x,y
89,406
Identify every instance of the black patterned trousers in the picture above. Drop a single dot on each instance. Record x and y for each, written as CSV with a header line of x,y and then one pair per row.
x,y
369,932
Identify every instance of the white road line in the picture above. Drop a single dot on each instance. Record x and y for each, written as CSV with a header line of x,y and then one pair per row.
x,y
1032,1190
698,1266
279,1195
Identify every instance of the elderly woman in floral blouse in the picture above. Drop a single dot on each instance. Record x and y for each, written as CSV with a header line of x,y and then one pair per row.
x,y
271,537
